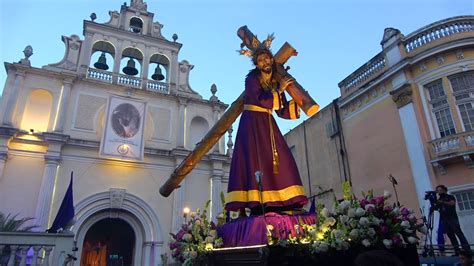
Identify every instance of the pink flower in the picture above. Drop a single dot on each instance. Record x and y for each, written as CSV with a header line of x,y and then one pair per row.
x,y
404,211
397,240
383,229
379,201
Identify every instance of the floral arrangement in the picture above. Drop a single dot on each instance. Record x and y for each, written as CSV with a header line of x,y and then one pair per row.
x,y
368,222
196,237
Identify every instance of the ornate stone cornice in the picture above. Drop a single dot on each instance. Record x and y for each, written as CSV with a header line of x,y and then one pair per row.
x,y
8,131
55,160
402,96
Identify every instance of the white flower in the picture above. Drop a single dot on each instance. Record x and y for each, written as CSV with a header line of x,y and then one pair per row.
x,y
209,239
192,214
213,233
396,211
365,242
359,212
405,224
330,221
387,242
354,233
343,206
187,237
411,217
186,254
386,194
193,254
344,219
198,222
412,240
325,212
364,221
371,232
369,206
351,213
337,233
375,221
409,231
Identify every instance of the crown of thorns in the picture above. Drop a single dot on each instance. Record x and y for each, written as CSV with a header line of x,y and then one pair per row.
x,y
256,45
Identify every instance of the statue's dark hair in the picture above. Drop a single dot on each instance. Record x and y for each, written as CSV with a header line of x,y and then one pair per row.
x,y
260,51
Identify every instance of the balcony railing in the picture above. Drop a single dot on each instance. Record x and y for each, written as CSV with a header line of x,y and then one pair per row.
x,y
438,30
364,73
127,81
46,249
453,145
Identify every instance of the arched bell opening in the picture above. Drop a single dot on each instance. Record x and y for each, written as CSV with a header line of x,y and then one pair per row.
x,y
131,62
158,68
102,56
136,25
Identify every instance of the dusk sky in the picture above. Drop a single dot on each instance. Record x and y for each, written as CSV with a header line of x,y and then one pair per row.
x,y
333,38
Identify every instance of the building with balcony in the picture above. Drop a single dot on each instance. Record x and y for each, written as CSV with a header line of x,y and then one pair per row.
x,y
407,112
118,111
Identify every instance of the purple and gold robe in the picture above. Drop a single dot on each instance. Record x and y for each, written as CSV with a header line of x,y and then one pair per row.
x,y
257,137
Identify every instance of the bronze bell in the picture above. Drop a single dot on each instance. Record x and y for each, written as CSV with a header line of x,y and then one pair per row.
x,y
130,68
158,75
101,63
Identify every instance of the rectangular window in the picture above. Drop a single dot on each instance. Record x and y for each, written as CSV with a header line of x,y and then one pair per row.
x,y
440,108
463,91
465,200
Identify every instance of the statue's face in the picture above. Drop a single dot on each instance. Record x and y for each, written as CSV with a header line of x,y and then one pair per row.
x,y
264,63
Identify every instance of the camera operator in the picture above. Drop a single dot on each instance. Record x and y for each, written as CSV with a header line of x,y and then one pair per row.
x,y
446,205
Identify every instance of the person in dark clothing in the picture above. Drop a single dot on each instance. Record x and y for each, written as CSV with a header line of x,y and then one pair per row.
x,y
446,205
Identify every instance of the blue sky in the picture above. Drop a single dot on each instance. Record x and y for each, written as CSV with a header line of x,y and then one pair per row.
x,y
333,38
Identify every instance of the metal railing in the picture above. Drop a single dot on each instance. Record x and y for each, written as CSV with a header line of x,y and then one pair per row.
x,y
22,248
127,81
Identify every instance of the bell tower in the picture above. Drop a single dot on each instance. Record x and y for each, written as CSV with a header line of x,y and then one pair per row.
x,y
128,50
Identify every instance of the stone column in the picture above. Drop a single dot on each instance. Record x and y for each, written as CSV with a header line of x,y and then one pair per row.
x,y
3,159
117,58
43,205
157,254
172,74
413,141
13,99
216,188
64,103
181,136
179,198
217,147
147,253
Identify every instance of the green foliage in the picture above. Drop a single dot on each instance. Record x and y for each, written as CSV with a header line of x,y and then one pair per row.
x,y
9,223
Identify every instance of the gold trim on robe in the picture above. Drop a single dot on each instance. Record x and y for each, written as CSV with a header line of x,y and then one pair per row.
x,y
267,196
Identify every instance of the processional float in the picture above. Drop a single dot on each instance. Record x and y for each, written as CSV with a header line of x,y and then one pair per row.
x,y
295,90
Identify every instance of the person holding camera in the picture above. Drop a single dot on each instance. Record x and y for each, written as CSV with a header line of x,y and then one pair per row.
x,y
446,205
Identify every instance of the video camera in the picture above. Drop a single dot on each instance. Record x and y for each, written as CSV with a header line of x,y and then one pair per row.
x,y
431,196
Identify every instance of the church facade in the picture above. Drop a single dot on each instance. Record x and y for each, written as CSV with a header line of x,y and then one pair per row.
x,y
119,113
406,114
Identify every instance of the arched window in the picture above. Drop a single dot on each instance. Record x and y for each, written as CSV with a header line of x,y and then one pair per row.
x,y
159,67
37,111
197,131
136,25
102,56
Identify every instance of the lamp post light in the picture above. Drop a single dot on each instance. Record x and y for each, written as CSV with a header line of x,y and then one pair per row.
x,y
186,211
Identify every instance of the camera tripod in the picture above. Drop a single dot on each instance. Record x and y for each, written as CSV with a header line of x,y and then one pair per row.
x,y
428,220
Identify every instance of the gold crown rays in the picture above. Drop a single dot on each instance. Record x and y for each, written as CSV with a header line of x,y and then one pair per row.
x,y
255,45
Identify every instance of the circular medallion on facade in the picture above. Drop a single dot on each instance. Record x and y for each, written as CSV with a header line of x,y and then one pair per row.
x,y
123,149
126,120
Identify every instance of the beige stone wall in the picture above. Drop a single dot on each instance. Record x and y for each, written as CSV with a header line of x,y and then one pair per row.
x,y
325,164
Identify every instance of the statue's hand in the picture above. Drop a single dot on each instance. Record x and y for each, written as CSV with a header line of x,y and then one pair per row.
x,y
285,82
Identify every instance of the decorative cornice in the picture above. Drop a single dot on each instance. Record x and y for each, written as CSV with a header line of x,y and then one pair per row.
x,y
6,131
402,96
